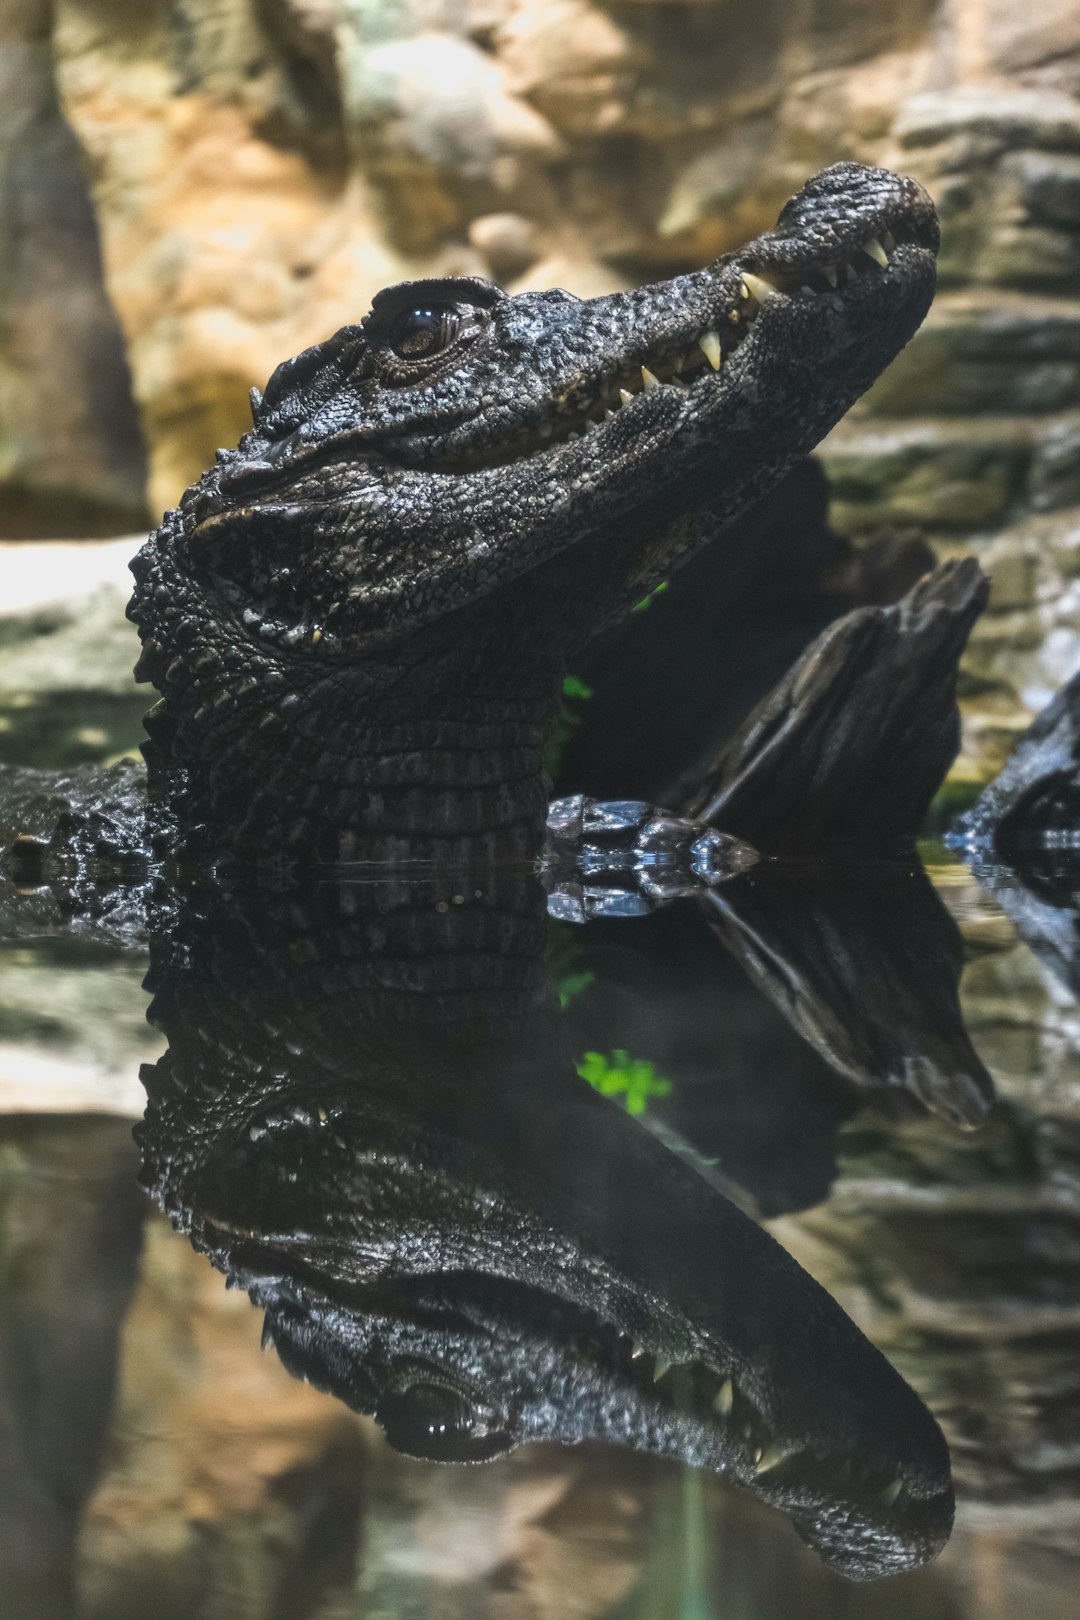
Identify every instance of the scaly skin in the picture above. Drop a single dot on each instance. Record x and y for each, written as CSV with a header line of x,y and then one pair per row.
x,y
369,1118
358,619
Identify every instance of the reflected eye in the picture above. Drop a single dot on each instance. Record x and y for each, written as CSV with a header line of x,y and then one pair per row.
x,y
419,333
433,1422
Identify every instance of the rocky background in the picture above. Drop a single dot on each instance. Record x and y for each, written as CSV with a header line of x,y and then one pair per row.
x,y
194,189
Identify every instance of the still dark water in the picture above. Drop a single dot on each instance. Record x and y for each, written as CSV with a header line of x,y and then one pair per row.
x,y
467,1160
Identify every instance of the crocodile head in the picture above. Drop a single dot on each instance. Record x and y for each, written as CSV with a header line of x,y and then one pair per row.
x,y
436,506
474,1302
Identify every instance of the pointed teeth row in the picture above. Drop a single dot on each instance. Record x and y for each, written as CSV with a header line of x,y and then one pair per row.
x,y
765,1453
763,1456
760,289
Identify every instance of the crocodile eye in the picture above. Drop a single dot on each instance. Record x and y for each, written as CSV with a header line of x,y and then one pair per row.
x,y
419,333
430,1421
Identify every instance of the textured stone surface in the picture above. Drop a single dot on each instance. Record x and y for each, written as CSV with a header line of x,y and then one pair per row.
x,y
71,453
66,653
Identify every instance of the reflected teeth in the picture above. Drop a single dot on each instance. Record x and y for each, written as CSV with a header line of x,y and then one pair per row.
x,y
754,287
773,1455
709,344
890,1493
724,1399
876,252
829,272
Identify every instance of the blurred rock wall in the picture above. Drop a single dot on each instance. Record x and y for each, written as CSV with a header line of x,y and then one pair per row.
x,y
225,181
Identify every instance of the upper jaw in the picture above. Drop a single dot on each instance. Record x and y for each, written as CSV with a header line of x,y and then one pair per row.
x,y
691,357
849,226
854,241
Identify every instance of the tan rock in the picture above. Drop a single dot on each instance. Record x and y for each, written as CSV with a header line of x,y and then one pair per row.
x,y
71,457
510,243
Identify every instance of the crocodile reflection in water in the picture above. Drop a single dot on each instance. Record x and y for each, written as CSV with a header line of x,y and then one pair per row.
x,y
369,1117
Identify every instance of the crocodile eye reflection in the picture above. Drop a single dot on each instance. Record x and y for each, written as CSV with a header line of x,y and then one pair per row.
x,y
417,334
430,1421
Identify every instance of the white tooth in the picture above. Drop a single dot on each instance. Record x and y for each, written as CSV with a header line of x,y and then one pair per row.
x,y
660,1369
888,241
761,290
829,272
637,1352
876,252
852,273
709,344
773,1456
625,395
608,415
891,1492
649,379
591,426
724,1399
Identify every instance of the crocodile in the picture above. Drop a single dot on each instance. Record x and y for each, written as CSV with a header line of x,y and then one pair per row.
x,y
359,618
369,1118
358,621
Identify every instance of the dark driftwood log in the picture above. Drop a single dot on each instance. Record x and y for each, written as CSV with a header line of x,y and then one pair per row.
x,y
670,684
864,961
856,739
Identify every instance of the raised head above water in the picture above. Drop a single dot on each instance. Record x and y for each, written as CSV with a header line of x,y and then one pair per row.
x,y
357,618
